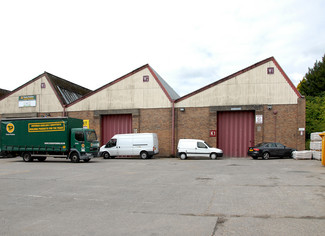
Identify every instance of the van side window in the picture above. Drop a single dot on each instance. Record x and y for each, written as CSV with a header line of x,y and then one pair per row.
x,y
79,136
111,143
201,145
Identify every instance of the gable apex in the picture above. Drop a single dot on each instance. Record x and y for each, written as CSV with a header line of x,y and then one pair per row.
x,y
166,88
236,74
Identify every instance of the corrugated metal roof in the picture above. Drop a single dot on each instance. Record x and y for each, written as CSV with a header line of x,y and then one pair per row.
x,y
67,91
171,92
4,92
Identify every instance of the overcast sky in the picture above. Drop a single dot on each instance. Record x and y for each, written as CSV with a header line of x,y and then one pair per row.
x,y
189,43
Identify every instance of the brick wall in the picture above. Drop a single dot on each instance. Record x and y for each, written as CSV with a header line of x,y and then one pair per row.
x,y
281,127
158,121
282,122
94,121
195,123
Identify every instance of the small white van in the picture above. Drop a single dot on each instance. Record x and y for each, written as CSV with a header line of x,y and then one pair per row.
x,y
196,148
144,145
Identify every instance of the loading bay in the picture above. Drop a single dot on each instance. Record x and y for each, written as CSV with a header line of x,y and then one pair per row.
x,y
162,196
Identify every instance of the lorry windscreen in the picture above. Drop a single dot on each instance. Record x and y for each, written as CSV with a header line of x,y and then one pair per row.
x,y
91,136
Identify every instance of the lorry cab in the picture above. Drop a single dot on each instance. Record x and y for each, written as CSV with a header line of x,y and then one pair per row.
x,y
144,145
84,143
197,148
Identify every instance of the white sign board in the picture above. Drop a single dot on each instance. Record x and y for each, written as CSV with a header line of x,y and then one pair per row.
x,y
259,119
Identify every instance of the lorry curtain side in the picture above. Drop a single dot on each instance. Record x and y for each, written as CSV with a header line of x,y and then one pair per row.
x,y
38,134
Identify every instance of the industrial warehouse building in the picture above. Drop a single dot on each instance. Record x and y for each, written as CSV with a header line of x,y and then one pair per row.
x,y
256,104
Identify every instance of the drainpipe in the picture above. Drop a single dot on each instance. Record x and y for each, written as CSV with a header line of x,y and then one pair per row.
x,y
173,128
63,111
275,113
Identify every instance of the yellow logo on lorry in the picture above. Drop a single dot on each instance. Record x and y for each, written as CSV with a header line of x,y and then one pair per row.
x,y
10,128
46,127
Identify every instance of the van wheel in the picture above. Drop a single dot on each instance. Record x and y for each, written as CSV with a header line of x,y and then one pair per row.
x,y
27,157
144,155
183,156
213,156
106,155
75,157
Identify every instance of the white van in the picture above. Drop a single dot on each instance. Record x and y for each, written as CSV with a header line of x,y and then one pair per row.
x,y
144,145
196,148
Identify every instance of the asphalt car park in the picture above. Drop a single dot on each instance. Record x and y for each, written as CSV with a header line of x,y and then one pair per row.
x,y
162,196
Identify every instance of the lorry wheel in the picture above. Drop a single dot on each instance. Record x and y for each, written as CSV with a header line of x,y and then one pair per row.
x,y
41,158
213,156
144,155
27,157
86,160
106,155
75,157
182,156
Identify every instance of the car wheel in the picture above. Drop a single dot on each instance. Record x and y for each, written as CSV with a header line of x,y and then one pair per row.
x,y
266,155
144,155
213,156
182,156
27,157
254,158
106,155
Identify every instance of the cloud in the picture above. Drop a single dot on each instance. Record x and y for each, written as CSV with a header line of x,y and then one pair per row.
x,y
189,43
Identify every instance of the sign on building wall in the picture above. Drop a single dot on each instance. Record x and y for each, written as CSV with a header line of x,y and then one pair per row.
x,y
259,119
213,133
86,124
27,101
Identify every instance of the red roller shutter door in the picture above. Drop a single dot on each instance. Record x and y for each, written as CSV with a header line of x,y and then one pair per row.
x,y
235,132
115,124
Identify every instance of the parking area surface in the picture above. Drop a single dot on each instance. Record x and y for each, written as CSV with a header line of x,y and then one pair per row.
x,y
166,196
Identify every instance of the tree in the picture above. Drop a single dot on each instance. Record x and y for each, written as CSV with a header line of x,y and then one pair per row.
x,y
313,87
315,114
313,84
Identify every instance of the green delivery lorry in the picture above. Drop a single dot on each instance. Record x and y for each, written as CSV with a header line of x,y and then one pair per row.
x,y
39,138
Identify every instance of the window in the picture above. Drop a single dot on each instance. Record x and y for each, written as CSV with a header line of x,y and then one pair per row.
x,y
279,145
111,143
91,136
270,145
201,145
79,136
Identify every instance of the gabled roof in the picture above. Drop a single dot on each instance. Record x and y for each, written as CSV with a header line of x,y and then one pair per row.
x,y
3,92
66,91
241,72
169,91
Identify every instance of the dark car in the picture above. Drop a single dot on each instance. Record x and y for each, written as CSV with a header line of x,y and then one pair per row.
x,y
267,150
